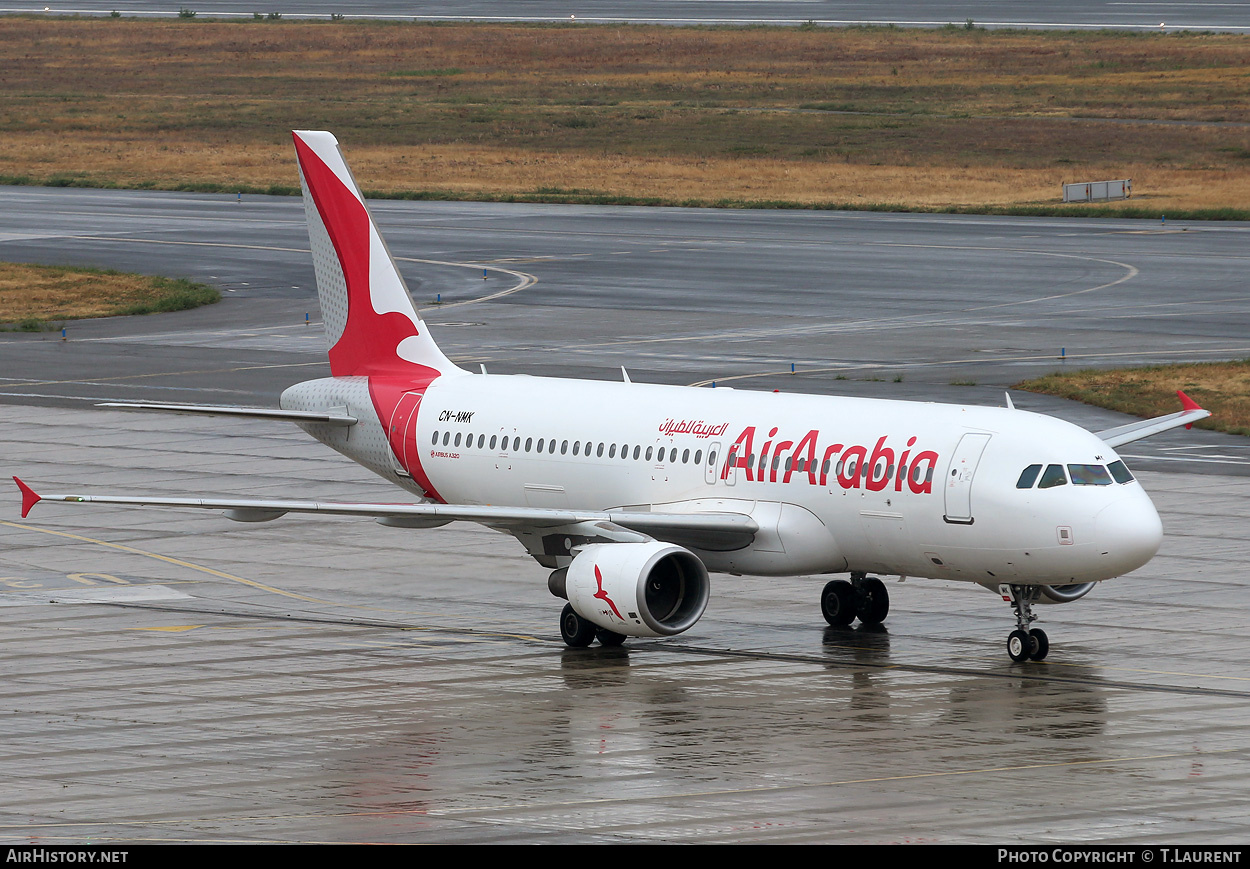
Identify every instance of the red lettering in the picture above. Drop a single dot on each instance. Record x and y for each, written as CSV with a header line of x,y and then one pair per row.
x,y
781,448
830,452
902,465
919,479
880,451
848,477
739,453
808,442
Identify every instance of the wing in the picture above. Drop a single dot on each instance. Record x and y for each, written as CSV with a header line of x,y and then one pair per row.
x,y
702,530
1135,431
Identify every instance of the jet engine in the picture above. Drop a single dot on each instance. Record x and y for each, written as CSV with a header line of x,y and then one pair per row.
x,y
1064,593
1052,593
638,589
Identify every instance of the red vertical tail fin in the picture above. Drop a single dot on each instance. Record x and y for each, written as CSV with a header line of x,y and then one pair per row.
x,y
371,324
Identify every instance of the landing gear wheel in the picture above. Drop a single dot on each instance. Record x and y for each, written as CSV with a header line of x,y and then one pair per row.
x,y
609,638
874,601
576,631
837,603
1020,645
1041,644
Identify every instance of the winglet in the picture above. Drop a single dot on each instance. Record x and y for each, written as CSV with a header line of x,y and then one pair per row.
x,y
1188,403
29,498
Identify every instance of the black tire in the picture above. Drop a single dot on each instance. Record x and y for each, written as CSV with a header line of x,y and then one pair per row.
x,y
576,631
837,603
1041,644
1020,645
609,638
874,601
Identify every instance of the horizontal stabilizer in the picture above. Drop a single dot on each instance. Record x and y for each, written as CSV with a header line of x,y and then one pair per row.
x,y
326,417
1135,431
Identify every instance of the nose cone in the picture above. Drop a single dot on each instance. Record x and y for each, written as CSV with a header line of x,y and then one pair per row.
x,y
1128,533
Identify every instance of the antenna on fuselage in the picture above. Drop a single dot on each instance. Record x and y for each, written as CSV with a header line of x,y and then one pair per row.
x,y
625,374
1010,406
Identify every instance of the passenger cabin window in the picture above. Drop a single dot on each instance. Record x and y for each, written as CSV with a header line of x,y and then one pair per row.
x,y
1120,472
1053,476
1028,477
1089,475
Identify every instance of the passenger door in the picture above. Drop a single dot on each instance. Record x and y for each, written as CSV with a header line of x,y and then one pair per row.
x,y
959,475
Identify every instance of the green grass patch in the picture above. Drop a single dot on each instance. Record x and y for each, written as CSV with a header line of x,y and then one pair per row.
x,y
1221,387
39,298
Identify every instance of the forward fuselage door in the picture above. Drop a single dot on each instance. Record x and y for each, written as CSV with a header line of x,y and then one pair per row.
x,y
963,468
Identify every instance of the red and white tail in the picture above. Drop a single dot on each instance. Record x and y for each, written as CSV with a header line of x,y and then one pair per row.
x,y
371,325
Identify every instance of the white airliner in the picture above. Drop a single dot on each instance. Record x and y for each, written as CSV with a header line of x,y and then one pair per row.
x,y
631,493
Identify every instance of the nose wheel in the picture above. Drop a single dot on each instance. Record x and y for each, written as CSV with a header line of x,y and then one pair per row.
x,y
1025,643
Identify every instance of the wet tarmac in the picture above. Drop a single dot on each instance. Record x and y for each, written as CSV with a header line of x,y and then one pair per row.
x,y
174,676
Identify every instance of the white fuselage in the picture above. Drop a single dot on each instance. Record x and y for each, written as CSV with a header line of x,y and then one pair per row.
x,y
835,484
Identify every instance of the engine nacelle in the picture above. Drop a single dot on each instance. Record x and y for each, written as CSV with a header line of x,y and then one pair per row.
x,y
638,589
1064,593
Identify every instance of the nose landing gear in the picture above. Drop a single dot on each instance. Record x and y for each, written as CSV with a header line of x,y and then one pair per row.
x,y
1024,643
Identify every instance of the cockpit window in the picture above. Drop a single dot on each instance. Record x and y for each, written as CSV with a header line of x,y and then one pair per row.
x,y
1053,476
1089,475
1028,477
1121,473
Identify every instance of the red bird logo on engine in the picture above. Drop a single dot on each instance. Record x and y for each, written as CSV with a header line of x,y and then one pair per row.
x,y
603,595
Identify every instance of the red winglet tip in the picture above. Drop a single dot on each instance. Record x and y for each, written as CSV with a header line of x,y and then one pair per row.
x,y
29,498
1186,402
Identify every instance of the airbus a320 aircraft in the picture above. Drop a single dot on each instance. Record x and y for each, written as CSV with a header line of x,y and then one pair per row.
x,y
634,492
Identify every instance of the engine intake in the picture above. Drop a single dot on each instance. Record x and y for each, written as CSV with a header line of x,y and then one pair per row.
x,y
1064,593
638,589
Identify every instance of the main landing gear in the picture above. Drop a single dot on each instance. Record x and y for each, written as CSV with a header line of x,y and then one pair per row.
x,y
1024,643
864,597
579,632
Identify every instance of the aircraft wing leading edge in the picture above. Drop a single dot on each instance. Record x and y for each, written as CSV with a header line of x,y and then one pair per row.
x,y
727,524
1135,431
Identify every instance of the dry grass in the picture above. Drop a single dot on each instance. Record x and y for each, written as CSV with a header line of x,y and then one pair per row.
x,y
1221,387
33,295
918,118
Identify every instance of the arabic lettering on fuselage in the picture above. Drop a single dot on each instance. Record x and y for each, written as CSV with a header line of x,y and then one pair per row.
x,y
852,465
696,427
